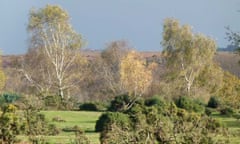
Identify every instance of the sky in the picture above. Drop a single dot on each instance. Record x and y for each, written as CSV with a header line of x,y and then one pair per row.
x,y
140,22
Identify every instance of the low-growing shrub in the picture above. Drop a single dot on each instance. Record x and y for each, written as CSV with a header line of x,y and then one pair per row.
x,y
88,107
155,100
72,129
228,111
80,137
189,104
107,119
58,119
8,98
213,124
208,111
93,106
119,103
213,102
53,130
9,124
150,124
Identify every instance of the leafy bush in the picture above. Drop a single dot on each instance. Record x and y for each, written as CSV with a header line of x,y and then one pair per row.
x,y
150,124
88,107
93,106
80,137
119,103
189,104
9,124
213,102
155,100
36,124
213,124
7,98
106,119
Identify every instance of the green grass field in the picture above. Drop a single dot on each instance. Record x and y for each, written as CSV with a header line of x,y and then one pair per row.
x,y
86,121
233,126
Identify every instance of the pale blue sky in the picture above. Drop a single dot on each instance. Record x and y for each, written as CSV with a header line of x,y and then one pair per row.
x,y
137,21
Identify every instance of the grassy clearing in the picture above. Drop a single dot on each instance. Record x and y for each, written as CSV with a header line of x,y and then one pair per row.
x,y
85,120
233,126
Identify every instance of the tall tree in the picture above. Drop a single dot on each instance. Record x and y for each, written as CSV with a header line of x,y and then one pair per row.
x,y
57,45
186,53
111,61
234,38
135,77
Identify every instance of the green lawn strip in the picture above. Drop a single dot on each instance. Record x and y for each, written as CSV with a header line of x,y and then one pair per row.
x,y
233,126
85,120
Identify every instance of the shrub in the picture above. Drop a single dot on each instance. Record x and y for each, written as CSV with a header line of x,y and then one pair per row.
x,y
155,100
119,103
36,124
9,124
189,104
53,130
213,102
80,137
88,107
93,106
71,129
58,119
7,98
228,111
208,111
107,119
213,124
152,125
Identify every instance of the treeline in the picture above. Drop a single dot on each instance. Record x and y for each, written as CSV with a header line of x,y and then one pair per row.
x,y
57,72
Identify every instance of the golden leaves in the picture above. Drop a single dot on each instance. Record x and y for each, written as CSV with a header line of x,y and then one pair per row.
x,y
135,77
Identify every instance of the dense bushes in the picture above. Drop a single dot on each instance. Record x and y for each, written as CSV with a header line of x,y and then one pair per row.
x,y
106,119
93,106
7,98
155,100
9,124
88,107
119,103
189,104
157,121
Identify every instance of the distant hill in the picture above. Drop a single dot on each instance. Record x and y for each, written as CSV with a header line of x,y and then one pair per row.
x,y
228,60
229,48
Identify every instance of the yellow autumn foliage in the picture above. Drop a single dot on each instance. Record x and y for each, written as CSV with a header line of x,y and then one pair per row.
x,y
134,75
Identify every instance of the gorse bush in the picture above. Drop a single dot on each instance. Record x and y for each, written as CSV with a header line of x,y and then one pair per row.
x,y
155,100
119,103
189,104
36,124
107,119
9,124
151,124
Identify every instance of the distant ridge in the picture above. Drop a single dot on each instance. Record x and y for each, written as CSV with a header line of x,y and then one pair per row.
x,y
229,48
